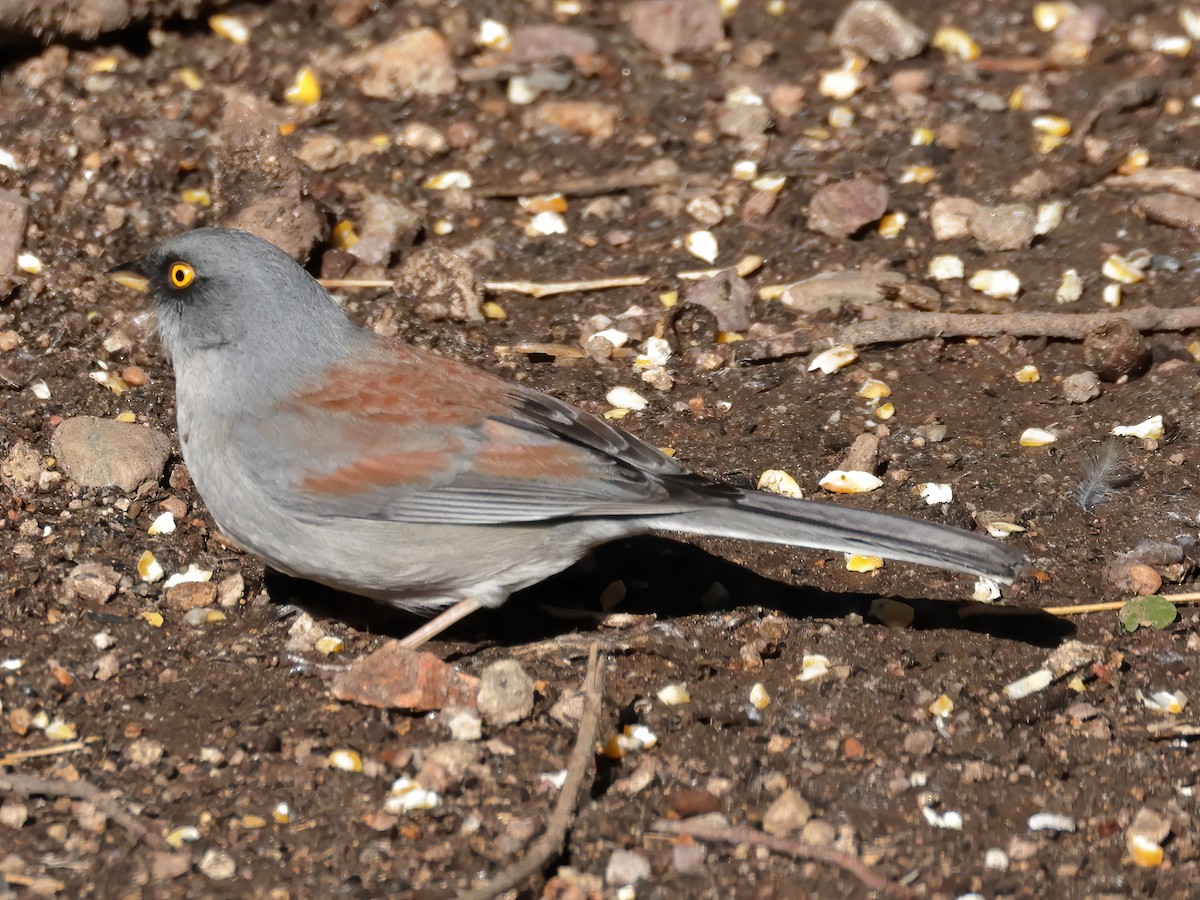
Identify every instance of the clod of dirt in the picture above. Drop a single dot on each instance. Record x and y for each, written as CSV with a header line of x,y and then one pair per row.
x,y
1171,209
414,62
505,693
444,767
14,214
950,217
444,283
396,677
386,225
1008,227
876,30
103,453
586,118
672,26
728,296
1115,351
626,867
21,470
93,582
841,209
788,813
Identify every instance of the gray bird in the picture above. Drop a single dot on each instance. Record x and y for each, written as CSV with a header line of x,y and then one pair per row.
x,y
370,466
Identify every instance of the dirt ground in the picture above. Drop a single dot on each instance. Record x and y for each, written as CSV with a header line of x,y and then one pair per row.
x,y
215,728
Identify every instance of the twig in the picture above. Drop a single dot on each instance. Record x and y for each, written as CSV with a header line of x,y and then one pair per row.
x,y
30,785
11,759
896,328
532,288
1107,606
731,834
585,185
551,843
1166,731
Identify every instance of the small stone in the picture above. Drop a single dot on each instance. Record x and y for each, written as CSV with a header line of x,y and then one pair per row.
x,y
464,724
230,590
586,118
505,693
1171,209
689,802
102,453
786,100
413,62
444,767
728,296
743,121
13,814
626,867
876,30
950,217
540,43
9,340
93,582
1082,387
1008,227
673,26
218,865
191,595
144,752
167,866
787,814
818,832
841,209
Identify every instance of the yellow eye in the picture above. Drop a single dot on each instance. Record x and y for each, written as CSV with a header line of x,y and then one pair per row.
x,y
181,275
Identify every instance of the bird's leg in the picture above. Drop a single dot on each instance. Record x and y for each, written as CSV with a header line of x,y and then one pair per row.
x,y
441,622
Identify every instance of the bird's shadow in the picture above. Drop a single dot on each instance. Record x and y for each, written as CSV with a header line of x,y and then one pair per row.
x,y
668,578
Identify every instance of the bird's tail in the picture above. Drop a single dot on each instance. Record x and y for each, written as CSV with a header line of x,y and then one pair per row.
x,y
758,516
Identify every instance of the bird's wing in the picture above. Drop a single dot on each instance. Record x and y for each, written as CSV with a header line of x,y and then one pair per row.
x,y
411,437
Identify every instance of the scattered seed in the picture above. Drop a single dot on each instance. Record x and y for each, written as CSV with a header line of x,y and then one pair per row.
x,y
153,619
999,283
886,411
950,820
546,223
494,35
1036,437
330,644
193,573
702,245
1048,16
626,398
1111,295
1028,375
197,197
779,482
1046,821
892,225
759,698
1070,288
444,181
190,78
841,116
874,389
345,761
184,834
955,42
942,707
230,27
675,695
1121,270
986,590
1145,852
1166,702
857,562
164,524
844,82
1049,216
305,89
1056,126
812,667
1172,45
744,170
770,183
408,796
29,263
58,730
344,235
922,136
934,494
839,482
946,267
1149,430
281,813
918,175
1029,684
829,361
149,568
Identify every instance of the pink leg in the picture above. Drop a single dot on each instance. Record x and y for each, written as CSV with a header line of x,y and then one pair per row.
x,y
441,622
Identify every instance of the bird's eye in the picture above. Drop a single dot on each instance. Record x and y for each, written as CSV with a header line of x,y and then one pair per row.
x,y
181,275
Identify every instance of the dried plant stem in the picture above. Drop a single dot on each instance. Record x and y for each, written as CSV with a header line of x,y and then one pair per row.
x,y
532,288
550,844
1110,605
30,785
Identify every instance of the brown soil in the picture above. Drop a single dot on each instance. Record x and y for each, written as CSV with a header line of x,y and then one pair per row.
x,y
104,157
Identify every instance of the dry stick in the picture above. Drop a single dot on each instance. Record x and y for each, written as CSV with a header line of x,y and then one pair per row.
x,y
29,785
584,185
732,834
11,759
532,288
896,328
1080,609
551,843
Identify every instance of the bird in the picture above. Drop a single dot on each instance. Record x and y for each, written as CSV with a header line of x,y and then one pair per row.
x,y
377,468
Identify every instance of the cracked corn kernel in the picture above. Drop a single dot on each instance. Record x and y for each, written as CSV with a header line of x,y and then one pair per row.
x,y
197,197
230,27
149,568
702,245
191,78
922,136
1070,288
184,834
942,707
892,224
840,482
1135,160
1058,126
30,264
1121,270
1111,294
986,590
443,181
1049,216
841,116
494,35
1028,375
999,283
1172,45
744,170
1036,437
874,389
281,813
858,562
955,42
1149,430
305,89
345,761
329,645
759,698
886,411
1144,852
933,493
1029,684
344,236
1048,16
918,175
674,695
626,398
946,267
829,361
779,482
153,619
812,667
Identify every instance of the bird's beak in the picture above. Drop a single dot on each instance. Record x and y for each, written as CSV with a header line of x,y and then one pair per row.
x,y
130,275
